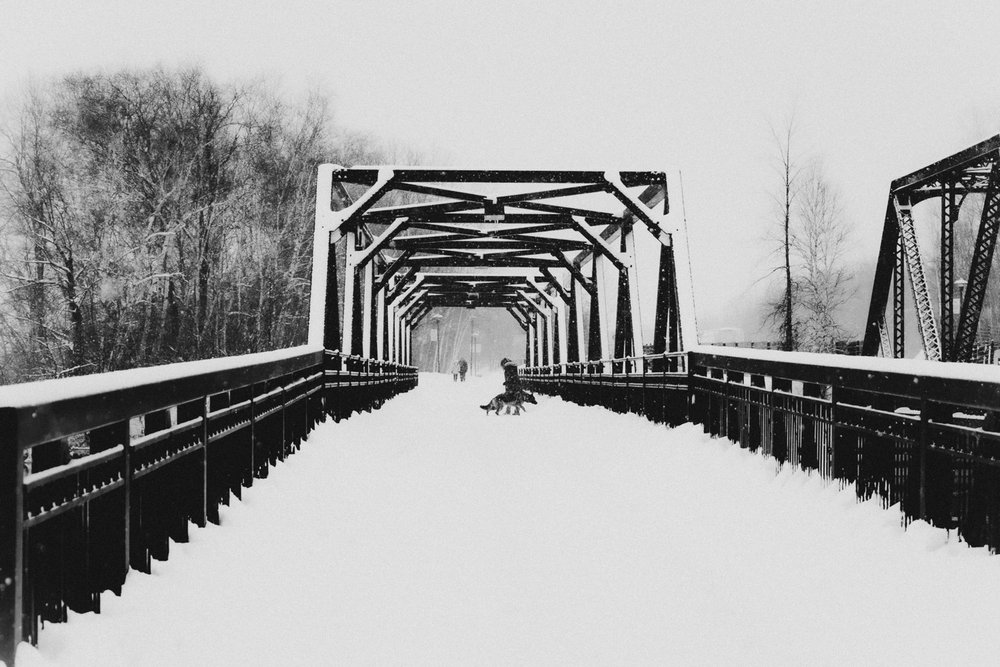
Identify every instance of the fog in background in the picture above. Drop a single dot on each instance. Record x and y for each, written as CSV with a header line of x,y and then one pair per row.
x,y
877,90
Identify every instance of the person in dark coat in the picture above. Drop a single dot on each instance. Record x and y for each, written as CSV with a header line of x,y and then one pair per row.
x,y
463,367
511,380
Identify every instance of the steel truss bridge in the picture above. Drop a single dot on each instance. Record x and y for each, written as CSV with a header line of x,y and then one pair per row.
x,y
496,239
557,250
963,181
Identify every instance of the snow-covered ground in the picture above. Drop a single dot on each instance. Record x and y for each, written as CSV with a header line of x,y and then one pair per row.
x,y
430,533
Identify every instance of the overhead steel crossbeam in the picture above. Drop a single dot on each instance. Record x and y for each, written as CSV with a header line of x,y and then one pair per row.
x,y
972,171
370,176
418,238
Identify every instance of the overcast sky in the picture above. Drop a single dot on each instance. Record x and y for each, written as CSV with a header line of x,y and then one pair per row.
x,y
878,89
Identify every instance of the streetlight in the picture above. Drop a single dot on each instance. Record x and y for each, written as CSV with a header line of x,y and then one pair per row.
x,y
437,339
472,345
956,301
472,355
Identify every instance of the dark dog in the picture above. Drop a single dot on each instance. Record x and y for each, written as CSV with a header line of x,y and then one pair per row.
x,y
507,400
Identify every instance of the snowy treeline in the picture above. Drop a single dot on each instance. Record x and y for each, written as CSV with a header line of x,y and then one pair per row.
x,y
155,216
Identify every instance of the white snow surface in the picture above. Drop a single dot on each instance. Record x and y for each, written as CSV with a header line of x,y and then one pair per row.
x,y
428,533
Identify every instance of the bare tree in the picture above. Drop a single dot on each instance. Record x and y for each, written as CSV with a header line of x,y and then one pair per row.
x,y
812,242
781,311
824,281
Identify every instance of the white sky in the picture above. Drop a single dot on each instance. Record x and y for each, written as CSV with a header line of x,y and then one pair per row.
x,y
878,89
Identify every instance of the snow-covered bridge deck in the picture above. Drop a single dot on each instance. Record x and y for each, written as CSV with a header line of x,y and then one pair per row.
x,y
429,533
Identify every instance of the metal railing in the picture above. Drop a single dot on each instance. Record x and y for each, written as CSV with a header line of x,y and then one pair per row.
x,y
654,385
163,447
921,435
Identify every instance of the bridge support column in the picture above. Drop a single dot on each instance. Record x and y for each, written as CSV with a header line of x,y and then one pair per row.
x,y
574,322
549,316
532,359
402,340
899,302
350,281
403,320
632,274
380,330
324,316
556,327
392,338
11,538
666,326
367,308
599,344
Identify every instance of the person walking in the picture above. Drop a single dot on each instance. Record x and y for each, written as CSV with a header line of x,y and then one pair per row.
x,y
454,372
463,367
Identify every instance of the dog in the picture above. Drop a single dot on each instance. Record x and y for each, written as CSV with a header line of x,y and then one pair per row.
x,y
508,401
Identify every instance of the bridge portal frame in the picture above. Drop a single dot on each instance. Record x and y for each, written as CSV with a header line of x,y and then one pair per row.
x,y
542,238
974,170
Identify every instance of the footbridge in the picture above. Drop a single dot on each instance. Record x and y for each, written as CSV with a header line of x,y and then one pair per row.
x,y
168,448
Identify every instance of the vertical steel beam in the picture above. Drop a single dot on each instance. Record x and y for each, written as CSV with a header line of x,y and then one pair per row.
x,y
350,278
407,343
979,271
331,326
550,336
603,306
594,341
380,328
573,324
882,284
898,304
623,318
665,321
367,274
675,234
635,308
532,336
11,537
555,316
319,288
949,213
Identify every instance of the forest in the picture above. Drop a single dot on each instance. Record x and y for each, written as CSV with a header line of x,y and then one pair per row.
x,y
156,216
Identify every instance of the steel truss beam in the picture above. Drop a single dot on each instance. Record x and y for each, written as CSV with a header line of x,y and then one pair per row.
x,y
369,175
972,170
487,235
979,271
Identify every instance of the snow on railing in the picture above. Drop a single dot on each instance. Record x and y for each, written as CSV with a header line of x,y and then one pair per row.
x,y
158,448
921,434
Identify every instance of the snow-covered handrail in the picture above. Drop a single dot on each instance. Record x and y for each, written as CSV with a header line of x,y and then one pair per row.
x,y
158,448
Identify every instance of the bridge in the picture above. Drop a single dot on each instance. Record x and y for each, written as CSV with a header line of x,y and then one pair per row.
x,y
170,447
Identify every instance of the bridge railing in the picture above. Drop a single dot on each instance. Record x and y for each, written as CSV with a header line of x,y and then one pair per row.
x,y
921,435
654,385
160,448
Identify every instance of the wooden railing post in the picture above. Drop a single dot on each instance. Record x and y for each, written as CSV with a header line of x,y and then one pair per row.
x,y
11,536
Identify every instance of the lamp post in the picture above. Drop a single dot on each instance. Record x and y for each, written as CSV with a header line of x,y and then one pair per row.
x,y
959,292
472,355
472,345
437,339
